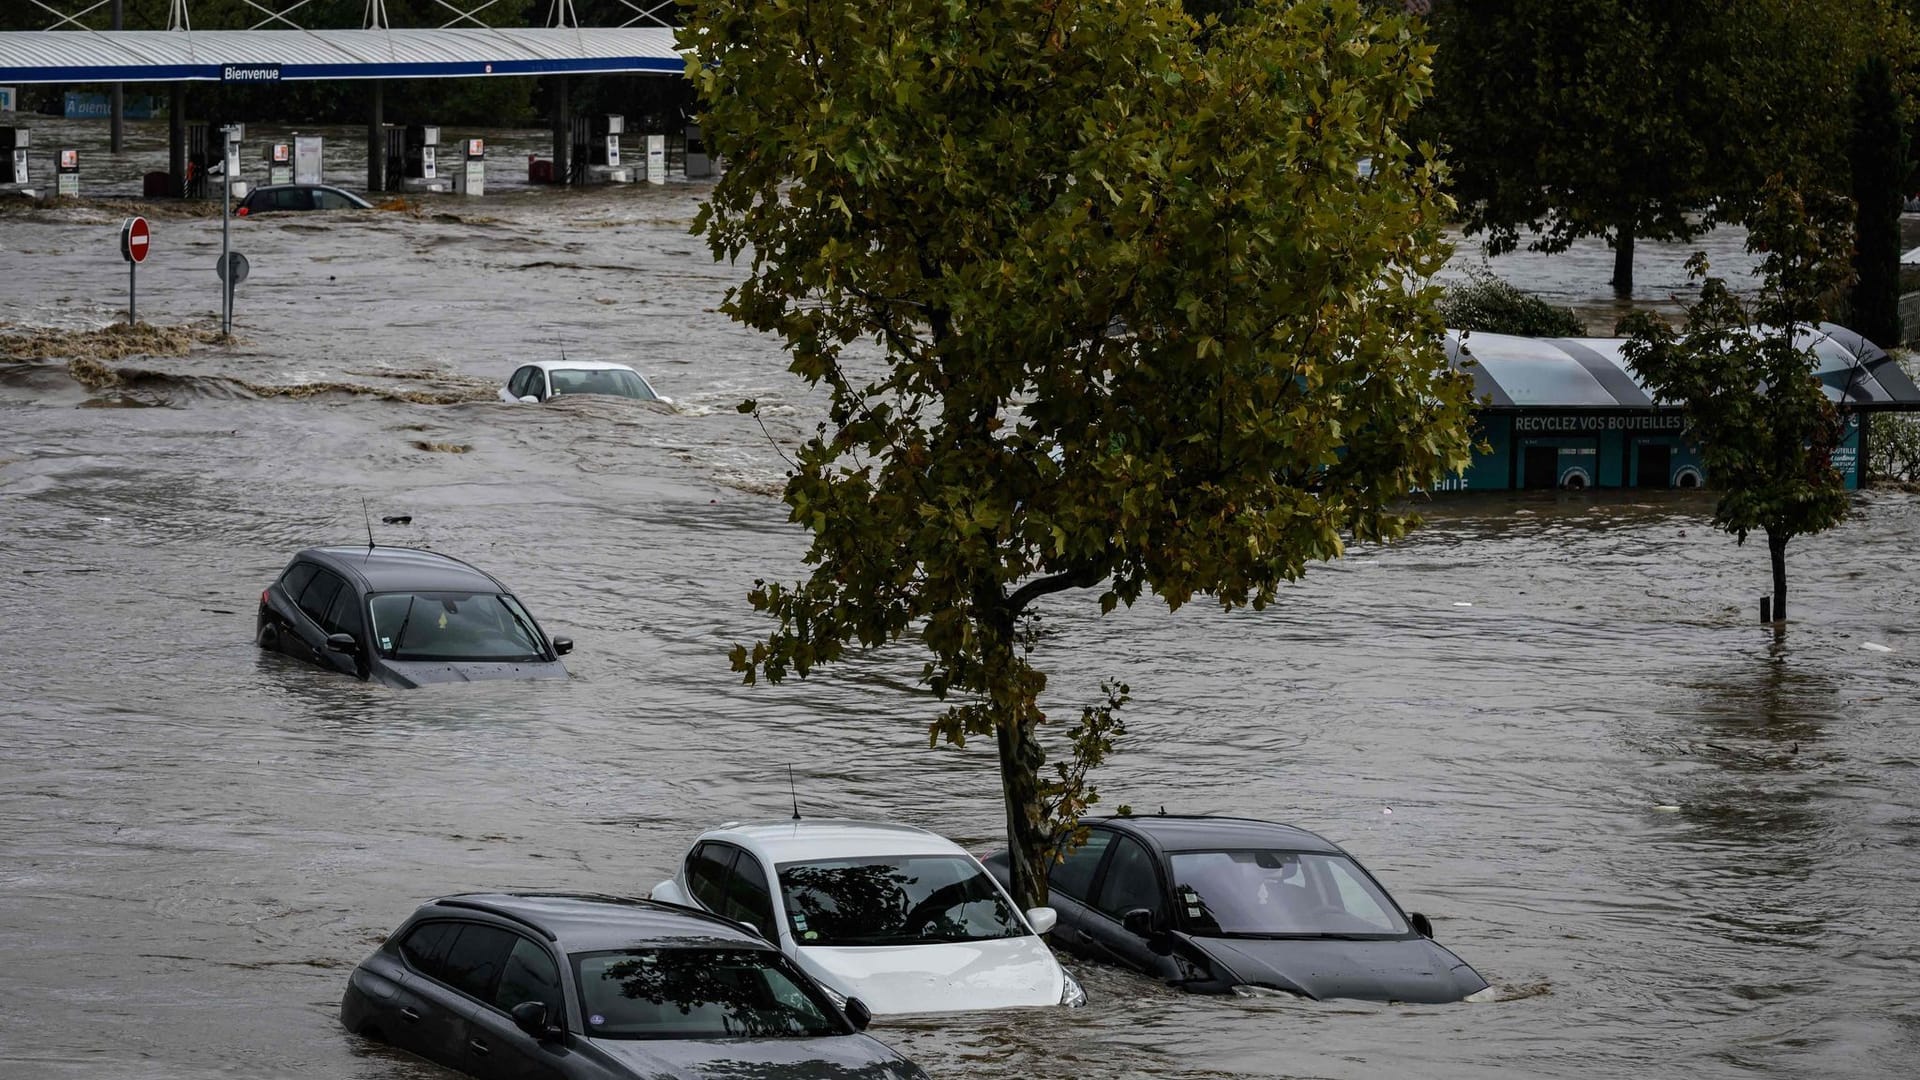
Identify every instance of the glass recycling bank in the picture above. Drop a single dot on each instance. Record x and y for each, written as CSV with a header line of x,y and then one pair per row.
x,y
1569,413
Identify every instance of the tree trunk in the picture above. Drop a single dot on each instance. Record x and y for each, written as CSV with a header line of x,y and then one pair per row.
x,y
1777,548
1028,852
1623,259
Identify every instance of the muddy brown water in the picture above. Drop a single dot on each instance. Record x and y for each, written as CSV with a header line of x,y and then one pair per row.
x,y
1679,843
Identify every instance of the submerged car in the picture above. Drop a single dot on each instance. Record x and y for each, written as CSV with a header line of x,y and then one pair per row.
x,y
546,986
1221,905
275,198
545,380
403,617
893,915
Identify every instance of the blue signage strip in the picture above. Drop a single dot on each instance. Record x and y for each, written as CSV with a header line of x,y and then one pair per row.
x,y
462,69
249,73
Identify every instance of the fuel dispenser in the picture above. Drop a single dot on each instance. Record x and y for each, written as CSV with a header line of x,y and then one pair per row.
x,y
307,163
423,148
698,163
656,159
13,154
606,139
472,177
67,183
280,164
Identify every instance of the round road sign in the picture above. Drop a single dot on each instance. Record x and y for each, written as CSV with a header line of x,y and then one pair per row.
x,y
239,265
134,236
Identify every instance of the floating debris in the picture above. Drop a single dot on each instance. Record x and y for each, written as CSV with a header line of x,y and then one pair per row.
x,y
1874,646
116,341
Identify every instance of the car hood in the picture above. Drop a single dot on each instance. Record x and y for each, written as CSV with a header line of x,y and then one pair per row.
x,y
407,674
839,1057
994,974
1397,969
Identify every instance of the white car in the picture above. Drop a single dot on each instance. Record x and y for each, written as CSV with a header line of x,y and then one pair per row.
x,y
544,380
895,916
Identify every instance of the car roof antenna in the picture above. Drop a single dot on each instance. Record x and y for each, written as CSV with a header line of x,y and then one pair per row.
x,y
794,791
369,517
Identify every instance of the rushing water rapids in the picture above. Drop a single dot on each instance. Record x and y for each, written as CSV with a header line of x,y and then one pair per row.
x,y
1681,844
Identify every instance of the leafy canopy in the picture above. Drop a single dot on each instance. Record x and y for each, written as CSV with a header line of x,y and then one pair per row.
x,y
1096,298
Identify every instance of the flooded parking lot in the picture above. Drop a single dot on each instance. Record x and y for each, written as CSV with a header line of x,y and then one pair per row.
x,y
1679,843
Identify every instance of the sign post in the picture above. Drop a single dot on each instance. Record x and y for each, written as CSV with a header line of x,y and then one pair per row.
x,y
229,260
134,237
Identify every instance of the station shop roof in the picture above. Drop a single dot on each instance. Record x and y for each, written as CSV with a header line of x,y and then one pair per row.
x,y
1519,373
256,56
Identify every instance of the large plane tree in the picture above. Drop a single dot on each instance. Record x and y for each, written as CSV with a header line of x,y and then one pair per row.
x,y
1102,302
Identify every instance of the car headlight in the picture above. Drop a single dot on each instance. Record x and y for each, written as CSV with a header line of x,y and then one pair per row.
x,y
1488,992
1071,995
1252,990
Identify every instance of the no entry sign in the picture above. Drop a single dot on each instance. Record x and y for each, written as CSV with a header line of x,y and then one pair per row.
x,y
134,237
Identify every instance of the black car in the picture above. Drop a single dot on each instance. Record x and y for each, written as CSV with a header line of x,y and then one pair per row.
x,y
1216,905
403,617
274,198
546,986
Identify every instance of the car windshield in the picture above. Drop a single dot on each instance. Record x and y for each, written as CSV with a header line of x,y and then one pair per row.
x,y
613,382
906,900
699,993
1282,893
454,626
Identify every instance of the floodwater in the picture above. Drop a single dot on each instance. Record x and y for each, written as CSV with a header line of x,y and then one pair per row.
x,y
1681,844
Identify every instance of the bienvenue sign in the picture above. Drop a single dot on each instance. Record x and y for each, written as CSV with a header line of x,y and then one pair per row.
x,y
1559,422
250,73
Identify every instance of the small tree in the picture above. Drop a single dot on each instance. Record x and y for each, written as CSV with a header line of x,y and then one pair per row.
x,y
1144,321
1745,380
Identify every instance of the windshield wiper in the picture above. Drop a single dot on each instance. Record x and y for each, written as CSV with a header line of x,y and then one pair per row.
x,y
532,638
401,638
1248,935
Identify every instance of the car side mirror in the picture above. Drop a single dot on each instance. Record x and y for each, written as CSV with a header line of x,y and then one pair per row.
x,y
1138,922
858,1014
342,643
1042,919
531,1017
562,646
529,399
1421,924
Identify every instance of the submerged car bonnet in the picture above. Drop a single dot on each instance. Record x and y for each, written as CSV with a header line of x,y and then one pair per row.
x,y
854,1057
1395,969
993,974
411,673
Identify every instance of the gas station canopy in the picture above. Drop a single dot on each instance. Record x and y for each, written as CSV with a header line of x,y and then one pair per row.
x,y
265,56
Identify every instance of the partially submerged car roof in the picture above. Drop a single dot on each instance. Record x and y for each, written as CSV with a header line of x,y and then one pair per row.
x,y
403,569
834,838
582,365
1180,832
587,922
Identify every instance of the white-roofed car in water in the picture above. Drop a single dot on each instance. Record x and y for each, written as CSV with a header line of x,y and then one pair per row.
x,y
544,380
902,919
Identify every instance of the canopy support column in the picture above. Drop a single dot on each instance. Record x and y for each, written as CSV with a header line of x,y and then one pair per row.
x,y
376,141
562,131
117,131
177,140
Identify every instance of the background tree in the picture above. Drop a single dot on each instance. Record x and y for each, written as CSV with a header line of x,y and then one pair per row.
x,y
1878,155
1744,376
1140,321
1636,119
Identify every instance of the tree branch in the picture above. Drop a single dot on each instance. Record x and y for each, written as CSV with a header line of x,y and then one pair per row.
x,y
1086,575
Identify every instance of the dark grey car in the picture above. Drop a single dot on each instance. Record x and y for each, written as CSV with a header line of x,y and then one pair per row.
x,y
403,617
1210,904
545,986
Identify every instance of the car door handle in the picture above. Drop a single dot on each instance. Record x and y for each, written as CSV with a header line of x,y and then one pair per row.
x,y
410,1016
479,1047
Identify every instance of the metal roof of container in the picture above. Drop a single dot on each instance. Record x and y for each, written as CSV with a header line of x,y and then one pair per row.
x,y
77,56
1514,373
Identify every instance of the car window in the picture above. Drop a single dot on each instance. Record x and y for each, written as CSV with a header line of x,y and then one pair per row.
x,y
1279,892
894,900
522,383
292,199
333,200
707,871
1359,899
529,975
296,578
749,898
344,616
485,626
425,946
318,596
475,959
1130,881
1074,876
697,993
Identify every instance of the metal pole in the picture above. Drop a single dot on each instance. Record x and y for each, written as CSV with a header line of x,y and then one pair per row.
x,y
118,131
226,232
131,267
177,139
562,130
376,145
